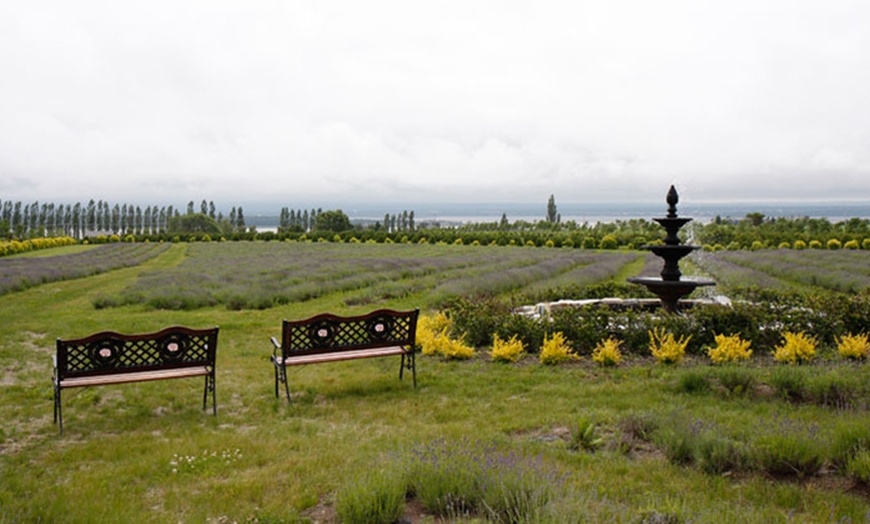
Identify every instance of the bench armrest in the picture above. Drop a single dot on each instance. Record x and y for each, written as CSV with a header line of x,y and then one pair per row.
x,y
276,344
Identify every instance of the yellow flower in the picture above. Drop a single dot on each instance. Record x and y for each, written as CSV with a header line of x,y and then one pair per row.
x,y
607,353
556,350
507,351
665,348
729,348
797,347
853,346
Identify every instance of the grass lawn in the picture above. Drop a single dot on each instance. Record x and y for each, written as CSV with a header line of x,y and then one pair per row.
x,y
148,453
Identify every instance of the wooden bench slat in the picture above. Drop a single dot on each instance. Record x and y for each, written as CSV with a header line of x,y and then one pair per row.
x,y
138,376
343,355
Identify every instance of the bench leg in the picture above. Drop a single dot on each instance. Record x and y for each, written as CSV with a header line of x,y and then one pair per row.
x,y
58,414
281,377
411,364
209,388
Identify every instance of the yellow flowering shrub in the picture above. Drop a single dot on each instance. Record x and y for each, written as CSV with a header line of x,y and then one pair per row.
x,y
666,348
455,349
433,336
607,353
853,346
796,347
556,350
429,330
729,348
510,350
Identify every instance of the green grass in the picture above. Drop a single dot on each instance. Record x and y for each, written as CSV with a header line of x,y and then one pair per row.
x,y
261,459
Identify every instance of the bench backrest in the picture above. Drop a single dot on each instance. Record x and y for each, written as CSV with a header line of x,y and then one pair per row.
x,y
110,353
326,332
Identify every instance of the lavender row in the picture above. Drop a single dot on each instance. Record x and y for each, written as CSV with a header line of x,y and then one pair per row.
x,y
261,275
17,274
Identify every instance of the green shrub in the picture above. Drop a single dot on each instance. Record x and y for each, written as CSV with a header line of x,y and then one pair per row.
x,y
464,479
858,467
736,380
378,497
788,447
789,383
693,382
584,436
608,242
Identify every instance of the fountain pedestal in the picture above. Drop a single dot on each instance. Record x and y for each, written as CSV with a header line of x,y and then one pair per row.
x,y
670,287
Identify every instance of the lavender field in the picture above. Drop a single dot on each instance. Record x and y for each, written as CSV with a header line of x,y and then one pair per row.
x,y
844,270
250,275
19,273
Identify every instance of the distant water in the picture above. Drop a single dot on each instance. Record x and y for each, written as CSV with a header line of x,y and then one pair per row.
x,y
452,214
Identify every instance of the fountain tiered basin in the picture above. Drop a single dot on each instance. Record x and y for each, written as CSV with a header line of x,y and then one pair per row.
x,y
670,286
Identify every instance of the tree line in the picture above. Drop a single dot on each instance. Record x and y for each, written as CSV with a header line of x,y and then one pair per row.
x,y
100,218
34,220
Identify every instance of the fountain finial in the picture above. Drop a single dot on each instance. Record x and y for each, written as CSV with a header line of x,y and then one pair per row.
x,y
672,200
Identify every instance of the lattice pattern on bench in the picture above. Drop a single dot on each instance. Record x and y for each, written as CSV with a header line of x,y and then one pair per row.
x,y
116,353
328,338
328,333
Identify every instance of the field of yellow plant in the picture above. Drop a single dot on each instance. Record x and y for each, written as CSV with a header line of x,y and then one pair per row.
x,y
434,338
729,348
510,350
607,353
556,350
666,348
796,348
853,346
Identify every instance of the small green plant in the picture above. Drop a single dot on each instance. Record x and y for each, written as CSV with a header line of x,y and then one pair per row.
x,y
736,380
796,348
510,350
463,479
607,353
556,350
853,347
858,467
789,447
584,436
729,348
789,384
375,498
693,382
666,348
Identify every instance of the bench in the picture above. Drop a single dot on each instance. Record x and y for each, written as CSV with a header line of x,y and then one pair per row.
x,y
330,338
113,358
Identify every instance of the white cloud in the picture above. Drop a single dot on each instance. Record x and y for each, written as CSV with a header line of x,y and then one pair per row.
x,y
454,101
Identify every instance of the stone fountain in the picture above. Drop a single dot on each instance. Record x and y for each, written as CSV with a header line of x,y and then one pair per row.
x,y
670,287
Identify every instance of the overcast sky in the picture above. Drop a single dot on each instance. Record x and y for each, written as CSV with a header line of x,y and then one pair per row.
x,y
165,101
